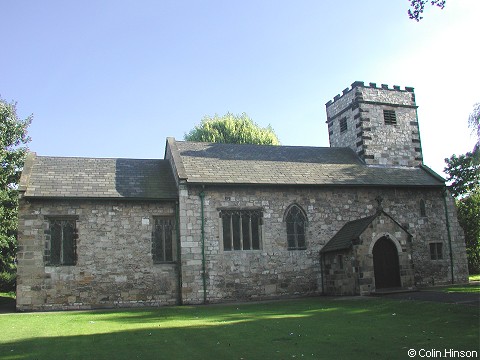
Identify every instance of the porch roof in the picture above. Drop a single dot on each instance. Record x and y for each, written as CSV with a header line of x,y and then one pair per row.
x,y
352,230
344,238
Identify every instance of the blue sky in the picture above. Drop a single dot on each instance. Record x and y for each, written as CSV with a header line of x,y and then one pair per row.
x,y
114,78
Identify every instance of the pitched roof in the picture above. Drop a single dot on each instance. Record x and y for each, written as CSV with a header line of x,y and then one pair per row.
x,y
217,163
73,177
343,239
352,230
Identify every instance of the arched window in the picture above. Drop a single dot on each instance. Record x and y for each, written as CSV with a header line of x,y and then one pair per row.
x,y
296,227
423,209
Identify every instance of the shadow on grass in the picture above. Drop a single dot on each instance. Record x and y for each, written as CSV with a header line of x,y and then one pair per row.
x,y
304,329
218,313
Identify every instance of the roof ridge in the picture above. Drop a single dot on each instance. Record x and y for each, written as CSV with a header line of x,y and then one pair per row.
x,y
265,145
97,158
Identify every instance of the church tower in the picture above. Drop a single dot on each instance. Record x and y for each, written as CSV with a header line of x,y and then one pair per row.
x,y
379,123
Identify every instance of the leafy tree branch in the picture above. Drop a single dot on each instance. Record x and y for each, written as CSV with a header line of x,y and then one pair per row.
x,y
418,6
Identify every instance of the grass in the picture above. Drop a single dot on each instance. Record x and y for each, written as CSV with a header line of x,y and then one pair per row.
x,y
464,288
10,294
470,288
475,277
313,328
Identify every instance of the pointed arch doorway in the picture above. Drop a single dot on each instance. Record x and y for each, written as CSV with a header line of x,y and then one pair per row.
x,y
385,264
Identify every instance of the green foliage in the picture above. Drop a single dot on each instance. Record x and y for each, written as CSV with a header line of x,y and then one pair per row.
x,y
469,217
7,281
463,173
232,129
418,6
13,138
464,178
7,295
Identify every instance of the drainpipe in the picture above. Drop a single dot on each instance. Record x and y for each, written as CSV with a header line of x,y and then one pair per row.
x,y
445,194
179,255
322,263
202,202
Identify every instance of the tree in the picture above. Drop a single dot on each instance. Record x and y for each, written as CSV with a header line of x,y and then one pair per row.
x,y
233,129
463,173
464,178
13,140
418,6
474,123
468,210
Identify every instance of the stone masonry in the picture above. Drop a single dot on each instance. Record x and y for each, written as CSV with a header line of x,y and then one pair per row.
x,y
362,108
275,271
114,266
351,271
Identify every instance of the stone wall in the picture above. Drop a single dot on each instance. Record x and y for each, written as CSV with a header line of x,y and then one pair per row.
x,y
367,134
353,273
385,226
339,274
114,266
274,270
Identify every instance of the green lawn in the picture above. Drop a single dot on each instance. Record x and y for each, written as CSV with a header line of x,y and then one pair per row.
x,y
475,277
313,328
470,288
10,294
473,287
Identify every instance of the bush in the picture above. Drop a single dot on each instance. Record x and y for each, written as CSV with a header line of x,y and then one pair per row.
x,y
8,281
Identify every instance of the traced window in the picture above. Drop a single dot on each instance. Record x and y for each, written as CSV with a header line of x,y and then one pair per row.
x,y
61,241
296,226
163,239
436,251
423,209
390,117
241,229
343,125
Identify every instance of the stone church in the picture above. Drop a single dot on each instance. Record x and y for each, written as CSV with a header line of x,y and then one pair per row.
x,y
222,222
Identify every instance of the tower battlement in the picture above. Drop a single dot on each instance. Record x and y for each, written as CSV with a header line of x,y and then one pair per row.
x,y
370,85
378,122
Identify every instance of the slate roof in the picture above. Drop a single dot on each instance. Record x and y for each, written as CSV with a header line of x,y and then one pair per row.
x,y
215,163
344,238
74,177
352,230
